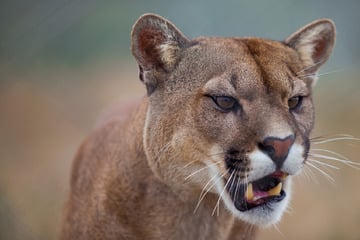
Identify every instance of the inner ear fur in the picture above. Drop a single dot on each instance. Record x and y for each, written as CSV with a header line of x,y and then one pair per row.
x,y
314,43
156,43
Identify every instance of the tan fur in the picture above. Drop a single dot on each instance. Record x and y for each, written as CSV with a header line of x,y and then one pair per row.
x,y
140,175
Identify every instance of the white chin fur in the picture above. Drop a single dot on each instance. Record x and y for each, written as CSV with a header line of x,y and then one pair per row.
x,y
262,216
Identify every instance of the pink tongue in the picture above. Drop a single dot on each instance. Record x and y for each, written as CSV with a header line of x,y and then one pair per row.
x,y
258,195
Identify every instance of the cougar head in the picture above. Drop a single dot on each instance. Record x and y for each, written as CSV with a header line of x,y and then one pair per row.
x,y
230,116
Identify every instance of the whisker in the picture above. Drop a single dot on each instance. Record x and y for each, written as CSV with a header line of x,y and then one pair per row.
x,y
321,74
194,161
246,183
304,70
310,174
323,164
233,181
190,163
289,210
328,151
331,179
323,140
215,184
217,205
164,148
308,67
278,230
199,170
238,184
232,177
331,152
349,163
318,137
304,176
205,190
331,136
195,172
341,157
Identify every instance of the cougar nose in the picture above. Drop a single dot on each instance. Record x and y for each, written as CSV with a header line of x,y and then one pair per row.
x,y
277,148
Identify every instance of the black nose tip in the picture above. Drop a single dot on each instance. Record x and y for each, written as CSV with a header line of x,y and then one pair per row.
x,y
277,149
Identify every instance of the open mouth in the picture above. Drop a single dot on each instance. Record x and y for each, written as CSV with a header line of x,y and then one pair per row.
x,y
263,191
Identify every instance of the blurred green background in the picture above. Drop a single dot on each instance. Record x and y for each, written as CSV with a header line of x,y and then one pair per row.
x,y
63,63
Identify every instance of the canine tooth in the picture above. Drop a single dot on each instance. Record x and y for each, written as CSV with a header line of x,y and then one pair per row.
x,y
249,192
276,190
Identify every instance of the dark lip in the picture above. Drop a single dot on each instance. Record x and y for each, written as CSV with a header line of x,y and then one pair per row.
x,y
237,194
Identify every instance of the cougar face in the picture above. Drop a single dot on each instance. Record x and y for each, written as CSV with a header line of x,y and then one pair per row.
x,y
230,116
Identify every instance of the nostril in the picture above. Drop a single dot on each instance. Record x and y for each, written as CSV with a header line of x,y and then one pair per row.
x,y
268,149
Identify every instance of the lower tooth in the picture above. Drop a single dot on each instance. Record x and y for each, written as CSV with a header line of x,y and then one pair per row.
x,y
276,190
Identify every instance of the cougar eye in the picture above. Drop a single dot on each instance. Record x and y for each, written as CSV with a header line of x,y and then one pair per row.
x,y
225,103
295,102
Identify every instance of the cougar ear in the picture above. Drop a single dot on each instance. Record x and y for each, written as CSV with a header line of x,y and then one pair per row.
x,y
156,43
314,43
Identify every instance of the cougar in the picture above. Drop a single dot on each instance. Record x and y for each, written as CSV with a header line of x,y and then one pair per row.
x,y
210,151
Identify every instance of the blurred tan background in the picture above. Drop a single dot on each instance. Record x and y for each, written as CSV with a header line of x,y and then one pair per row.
x,y
63,63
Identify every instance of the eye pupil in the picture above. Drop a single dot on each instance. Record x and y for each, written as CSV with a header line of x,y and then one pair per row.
x,y
225,103
294,102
